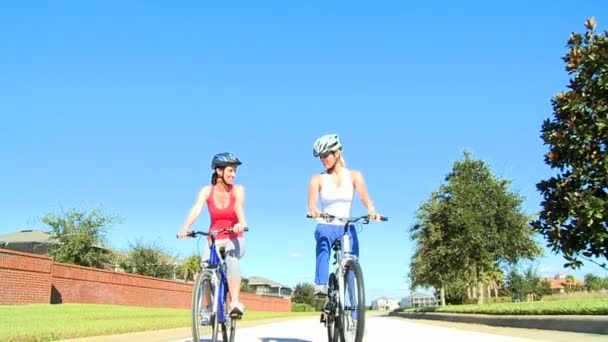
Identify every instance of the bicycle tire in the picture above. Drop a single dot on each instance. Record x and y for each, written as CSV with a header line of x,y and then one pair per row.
x,y
225,323
202,280
232,329
356,311
332,324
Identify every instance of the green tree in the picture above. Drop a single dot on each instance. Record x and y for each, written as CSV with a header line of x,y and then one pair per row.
x,y
80,237
191,267
570,280
471,224
527,285
435,262
531,284
514,283
245,287
304,293
496,279
148,259
545,288
574,216
593,282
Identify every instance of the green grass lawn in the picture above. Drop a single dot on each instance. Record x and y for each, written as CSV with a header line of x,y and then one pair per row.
x,y
47,322
562,307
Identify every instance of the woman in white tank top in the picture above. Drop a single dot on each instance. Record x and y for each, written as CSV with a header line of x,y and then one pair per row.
x,y
335,189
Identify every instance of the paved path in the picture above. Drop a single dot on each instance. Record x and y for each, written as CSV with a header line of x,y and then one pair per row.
x,y
378,328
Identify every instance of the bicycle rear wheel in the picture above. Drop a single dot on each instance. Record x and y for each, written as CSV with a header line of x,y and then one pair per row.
x,y
203,322
352,315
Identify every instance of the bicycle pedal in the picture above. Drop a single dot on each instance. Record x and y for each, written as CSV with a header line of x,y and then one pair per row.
x,y
235,314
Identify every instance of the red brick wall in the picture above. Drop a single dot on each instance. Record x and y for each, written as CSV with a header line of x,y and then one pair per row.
x,y
54,282
77,284
24,278
264,303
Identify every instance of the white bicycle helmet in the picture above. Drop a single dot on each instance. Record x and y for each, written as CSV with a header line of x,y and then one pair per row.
x,y
325,144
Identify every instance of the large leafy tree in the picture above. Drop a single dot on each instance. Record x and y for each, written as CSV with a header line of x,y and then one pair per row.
x,y
148,259
574,216
471,224
304,293
436,261
80,237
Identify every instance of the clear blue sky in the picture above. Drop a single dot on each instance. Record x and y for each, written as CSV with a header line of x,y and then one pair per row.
x,y
119,105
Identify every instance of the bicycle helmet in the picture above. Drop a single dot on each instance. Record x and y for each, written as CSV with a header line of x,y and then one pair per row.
x,y
224,159
325,144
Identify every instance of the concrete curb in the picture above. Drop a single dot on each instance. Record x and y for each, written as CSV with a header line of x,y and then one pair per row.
x,y
575,323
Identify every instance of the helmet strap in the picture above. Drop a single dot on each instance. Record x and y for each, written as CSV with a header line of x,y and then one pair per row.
x,y
222,178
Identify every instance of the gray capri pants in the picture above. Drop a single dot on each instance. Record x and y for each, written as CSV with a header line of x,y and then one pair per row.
x,y
235,249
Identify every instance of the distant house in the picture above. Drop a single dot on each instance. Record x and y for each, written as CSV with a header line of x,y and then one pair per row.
x,y
418,299
560,283
33,241
36,241
267,287
385,303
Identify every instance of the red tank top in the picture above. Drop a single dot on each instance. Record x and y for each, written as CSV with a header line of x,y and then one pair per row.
x,y
222,218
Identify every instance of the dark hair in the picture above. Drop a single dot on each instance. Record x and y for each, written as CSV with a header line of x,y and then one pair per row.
x,y
214,178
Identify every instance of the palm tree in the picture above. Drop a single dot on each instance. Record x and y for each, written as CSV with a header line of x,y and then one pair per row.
x,y
570,281
191,267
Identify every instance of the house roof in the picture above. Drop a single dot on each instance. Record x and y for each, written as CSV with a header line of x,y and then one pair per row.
x,y
420,295
25,236
31,236
266,281
559,282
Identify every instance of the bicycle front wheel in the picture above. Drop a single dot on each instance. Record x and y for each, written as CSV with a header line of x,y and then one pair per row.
x,y
332,311
204,320
352,318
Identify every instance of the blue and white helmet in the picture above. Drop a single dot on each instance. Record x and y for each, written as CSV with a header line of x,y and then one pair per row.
x,y
325,144
224,159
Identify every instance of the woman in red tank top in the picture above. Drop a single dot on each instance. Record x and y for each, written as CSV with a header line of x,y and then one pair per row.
x,y
225,204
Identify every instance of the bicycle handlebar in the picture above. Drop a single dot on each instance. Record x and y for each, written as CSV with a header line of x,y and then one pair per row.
x,y
195,233
366,218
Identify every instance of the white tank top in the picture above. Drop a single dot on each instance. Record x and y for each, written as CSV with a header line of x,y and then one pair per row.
x,y
337,201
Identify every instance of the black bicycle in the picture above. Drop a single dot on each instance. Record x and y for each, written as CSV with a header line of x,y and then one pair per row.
x,y
344,313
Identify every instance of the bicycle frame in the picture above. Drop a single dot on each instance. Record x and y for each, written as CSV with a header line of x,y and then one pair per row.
x,y
216,266
336,302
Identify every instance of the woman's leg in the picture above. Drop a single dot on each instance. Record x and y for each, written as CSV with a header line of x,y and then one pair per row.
x,y
235,249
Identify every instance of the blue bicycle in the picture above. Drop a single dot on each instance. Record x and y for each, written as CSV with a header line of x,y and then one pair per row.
x,y
209,295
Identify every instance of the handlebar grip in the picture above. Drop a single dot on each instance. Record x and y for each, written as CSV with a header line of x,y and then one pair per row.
x,y
308,216
383,218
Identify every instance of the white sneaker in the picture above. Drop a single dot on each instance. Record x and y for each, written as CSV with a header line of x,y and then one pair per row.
x,y
206,316
321,289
